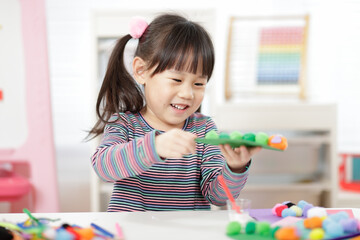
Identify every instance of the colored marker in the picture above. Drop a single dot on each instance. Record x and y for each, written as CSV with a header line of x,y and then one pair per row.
x,y
103,231
119,232
228,193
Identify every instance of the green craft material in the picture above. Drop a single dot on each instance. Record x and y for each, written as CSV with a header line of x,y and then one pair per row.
x,y
249,137
234,143
237,139
224,136
236,135
250,227
212,135
10,226
233,228
243,236
273,230
263,228
261,138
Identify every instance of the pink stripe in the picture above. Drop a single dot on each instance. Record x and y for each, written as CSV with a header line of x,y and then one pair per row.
x,y
289,35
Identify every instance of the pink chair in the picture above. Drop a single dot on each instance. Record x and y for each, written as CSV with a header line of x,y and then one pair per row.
x,y
14,186
25,103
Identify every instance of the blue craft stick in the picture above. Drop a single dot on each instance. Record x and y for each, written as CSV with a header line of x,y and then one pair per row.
x,y
103,231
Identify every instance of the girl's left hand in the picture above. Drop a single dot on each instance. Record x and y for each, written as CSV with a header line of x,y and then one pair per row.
x,y
238,158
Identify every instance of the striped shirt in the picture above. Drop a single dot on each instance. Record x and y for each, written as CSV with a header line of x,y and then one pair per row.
x,y
145,182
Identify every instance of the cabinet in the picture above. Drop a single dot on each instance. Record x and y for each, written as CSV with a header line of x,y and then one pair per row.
x,y
307,170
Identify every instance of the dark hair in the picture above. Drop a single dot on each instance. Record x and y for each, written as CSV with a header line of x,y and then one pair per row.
x,y
170,41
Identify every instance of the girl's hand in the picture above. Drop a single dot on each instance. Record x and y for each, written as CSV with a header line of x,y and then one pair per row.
x,y
175,143
238,158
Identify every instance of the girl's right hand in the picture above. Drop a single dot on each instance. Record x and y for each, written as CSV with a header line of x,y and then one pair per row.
x,y
175,143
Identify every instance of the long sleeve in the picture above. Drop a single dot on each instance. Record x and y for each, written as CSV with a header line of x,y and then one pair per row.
x,y
143,181
212,166
117,157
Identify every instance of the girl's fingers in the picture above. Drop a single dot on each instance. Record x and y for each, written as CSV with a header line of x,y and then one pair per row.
x,y
224,151
255,150
231,152
190,146
237,150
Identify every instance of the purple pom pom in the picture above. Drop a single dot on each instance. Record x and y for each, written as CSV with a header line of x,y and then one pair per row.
x,y
276,139
350,225
306,208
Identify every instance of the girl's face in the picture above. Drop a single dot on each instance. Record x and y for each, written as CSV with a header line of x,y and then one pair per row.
x,y
171,97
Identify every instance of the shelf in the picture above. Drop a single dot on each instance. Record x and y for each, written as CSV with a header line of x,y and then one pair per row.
x,y
343,195
106,187
305,169
311,140
311,187
348,199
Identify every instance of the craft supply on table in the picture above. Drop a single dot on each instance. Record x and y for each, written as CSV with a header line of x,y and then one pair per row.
x,y
44,228
316,223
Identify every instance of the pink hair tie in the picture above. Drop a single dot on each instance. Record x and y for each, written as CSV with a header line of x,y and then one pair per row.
x,y
138,26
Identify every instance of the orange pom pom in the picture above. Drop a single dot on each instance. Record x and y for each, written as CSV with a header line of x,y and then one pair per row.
x,y
314,222
86,233
287,233
278,141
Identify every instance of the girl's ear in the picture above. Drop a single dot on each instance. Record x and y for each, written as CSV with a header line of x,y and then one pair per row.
x,y
139,70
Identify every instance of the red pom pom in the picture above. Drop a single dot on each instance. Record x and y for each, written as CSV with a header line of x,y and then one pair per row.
x,y
279,210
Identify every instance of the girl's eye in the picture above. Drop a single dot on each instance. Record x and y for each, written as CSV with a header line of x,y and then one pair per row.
x,y
176,80
199,84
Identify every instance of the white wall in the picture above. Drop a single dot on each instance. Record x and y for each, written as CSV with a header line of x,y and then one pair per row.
x,y
333,75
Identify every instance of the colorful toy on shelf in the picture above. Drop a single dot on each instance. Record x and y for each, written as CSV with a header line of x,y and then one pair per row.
x,y
236,139
349,172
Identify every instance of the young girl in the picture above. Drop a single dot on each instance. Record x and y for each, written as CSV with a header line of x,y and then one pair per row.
x,y
149,122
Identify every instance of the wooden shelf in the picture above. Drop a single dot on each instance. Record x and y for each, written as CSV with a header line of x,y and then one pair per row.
x,y
349,199
307,126
312,187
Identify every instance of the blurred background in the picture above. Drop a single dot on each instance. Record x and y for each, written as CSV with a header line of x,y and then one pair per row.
x,y
317,110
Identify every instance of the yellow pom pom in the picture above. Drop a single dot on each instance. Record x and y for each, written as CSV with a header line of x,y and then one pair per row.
x,y
297,210
316,234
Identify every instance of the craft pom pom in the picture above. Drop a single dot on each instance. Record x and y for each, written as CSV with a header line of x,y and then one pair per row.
x,y
316,234
233,228
287,233
273,210
316,212
279,210
349,225
287,212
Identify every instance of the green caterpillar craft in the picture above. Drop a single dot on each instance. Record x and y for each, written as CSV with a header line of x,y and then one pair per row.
x,y
236,139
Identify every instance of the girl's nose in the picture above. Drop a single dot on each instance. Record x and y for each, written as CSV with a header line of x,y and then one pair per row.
x,y
186,92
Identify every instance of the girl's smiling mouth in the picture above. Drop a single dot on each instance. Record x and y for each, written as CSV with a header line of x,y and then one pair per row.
x,y
179,106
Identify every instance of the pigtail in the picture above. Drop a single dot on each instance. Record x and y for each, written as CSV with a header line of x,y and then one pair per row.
x,y
119,92
169,42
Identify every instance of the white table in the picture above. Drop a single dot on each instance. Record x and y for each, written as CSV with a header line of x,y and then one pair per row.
x,y
172,225
145,225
